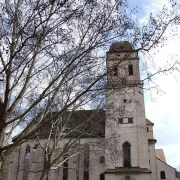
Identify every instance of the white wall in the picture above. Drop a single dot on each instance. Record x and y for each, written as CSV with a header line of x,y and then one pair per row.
x,y
135,133
96,149
169,171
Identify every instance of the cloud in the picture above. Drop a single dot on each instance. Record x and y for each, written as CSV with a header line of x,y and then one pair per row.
x,y
165,114
152,6
164,111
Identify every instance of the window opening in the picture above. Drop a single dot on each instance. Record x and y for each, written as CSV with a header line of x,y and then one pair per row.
x,y
123,80
65,168
120,120
35,146
102,160
115,71
130,69
28,153
26,162
102,177
86,163
130,120
163,175
127,154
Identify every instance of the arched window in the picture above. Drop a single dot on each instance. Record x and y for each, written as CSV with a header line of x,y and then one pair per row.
x,y
130,69
65,167
28,153
127,154
86,162
163,175
115,71
102,177
26,162
35,146
102,160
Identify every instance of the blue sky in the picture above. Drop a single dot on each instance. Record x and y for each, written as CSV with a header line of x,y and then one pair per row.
x,y
163,109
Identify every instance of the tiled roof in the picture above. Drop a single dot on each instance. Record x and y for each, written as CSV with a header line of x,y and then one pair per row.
x,y
82,123
160,155
121,47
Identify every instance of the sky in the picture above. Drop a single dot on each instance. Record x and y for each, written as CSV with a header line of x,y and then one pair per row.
x,y
163,108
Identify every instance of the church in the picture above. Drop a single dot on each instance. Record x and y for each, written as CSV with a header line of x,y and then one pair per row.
x,y
120,147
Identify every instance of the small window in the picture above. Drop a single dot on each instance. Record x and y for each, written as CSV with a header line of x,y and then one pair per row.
x,y
35,146
26,163
130,120
102,160
125,101
130,69
102,177
115,71
86,162
120,120
163,175
28,153
65,167
147,129
123,80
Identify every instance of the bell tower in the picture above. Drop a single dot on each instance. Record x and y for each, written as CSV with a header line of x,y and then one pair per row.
x,y
123,64
126,128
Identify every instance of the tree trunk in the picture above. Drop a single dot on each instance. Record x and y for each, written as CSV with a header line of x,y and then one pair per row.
x,y
44,174
2,131
1,136
1,158
2,123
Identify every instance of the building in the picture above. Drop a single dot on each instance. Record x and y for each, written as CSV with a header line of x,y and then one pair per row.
x,y
125,145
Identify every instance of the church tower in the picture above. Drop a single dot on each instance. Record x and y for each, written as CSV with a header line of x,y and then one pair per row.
x,y
126,152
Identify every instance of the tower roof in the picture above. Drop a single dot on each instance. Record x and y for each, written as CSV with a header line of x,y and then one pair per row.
x,y
121,46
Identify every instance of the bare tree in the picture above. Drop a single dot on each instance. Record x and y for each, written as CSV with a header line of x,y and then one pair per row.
x,y
52,58
76,136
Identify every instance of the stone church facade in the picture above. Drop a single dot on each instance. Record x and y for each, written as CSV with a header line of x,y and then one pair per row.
x,y
126,145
